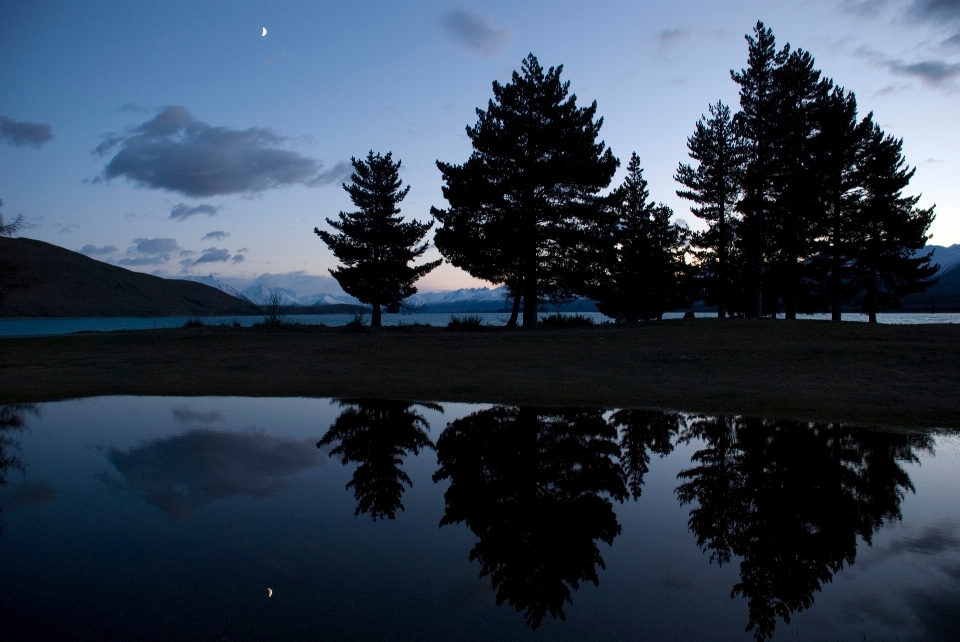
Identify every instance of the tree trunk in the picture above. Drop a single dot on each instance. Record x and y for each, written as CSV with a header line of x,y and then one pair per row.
x,y
530,275
721,303
836,282
757,267
512,323
790,303
375,317
872,293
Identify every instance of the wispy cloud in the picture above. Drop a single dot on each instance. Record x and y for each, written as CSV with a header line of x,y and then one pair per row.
x,y
93,250
213,255
182,212
175,152
670,37
475,32
20,133
155,246
216,235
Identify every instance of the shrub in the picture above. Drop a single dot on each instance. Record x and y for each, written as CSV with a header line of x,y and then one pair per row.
x,y
561,321
469,322
193,323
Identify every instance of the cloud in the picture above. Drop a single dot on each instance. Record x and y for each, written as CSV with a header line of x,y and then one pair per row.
x,y
30,494
238,258
182,473
67,229
215,235
144,260
670,37
154,246
175,152
936,10
133,108
933,540
474,32
336,174
182,212
213,255
186,415
932,72
20,133
93,250
187,252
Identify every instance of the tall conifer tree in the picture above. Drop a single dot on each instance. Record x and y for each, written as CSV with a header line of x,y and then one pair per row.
x,y
527,187
714,187
890,228
757,119
645,273
837,147
374,244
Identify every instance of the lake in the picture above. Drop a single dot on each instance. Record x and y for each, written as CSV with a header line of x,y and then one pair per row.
x,y
49,326
157,518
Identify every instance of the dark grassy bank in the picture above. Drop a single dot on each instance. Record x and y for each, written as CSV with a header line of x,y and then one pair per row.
x,y
890,375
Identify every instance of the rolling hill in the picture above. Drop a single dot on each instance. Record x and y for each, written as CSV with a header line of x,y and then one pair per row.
x,y
44,280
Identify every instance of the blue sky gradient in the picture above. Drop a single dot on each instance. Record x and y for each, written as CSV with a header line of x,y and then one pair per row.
x,y
169,90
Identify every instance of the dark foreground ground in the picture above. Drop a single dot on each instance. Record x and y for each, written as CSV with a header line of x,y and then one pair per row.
x,y
883,375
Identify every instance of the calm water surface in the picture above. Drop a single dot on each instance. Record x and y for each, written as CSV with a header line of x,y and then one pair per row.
x,y
169,518
33,327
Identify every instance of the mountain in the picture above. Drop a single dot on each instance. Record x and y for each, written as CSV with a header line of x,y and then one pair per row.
x,y
260,294
213,283
947,257
44,280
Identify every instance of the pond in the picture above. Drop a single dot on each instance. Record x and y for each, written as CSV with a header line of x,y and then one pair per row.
x,y
48,326
207,518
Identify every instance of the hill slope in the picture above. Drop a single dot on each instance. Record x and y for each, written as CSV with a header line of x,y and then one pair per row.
x,y
50,281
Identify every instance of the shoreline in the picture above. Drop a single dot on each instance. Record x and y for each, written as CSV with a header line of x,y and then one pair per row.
x,y
882,375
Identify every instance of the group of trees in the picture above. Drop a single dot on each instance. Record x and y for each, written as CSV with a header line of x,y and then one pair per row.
x,y
537,487
803,203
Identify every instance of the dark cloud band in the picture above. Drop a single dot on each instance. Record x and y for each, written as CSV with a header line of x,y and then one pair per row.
x,y
175,152
20,133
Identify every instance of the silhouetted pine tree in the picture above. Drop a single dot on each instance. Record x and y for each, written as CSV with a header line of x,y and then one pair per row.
x,y
794,220
757,120
374,245
889,229
377,434
535,167
535,486
714,186
645,272
837,148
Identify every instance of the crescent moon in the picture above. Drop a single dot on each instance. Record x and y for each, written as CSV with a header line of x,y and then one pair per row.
x,y
269,592
264,31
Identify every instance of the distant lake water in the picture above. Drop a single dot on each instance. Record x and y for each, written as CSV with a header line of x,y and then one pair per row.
x,y
152,518
47,326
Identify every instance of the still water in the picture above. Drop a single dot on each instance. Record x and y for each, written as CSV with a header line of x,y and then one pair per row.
x,y
35,327
149,518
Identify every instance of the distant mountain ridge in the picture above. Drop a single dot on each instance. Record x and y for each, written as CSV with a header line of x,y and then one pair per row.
x,y
46,280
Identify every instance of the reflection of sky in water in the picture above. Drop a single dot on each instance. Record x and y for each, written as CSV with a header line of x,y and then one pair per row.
x,y
169,518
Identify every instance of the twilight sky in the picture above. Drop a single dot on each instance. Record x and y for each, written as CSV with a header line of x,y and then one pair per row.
x,y
173,138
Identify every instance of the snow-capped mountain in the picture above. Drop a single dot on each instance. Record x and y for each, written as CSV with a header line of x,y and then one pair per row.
x,y
260,294
462,300
213,283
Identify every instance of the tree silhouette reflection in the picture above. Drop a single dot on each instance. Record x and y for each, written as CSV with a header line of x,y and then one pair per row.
x,y
535,486
11,422
790,499
378,434
643,432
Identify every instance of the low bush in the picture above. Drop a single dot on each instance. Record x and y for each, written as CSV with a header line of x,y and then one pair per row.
x,y
469,322
193,323
564,321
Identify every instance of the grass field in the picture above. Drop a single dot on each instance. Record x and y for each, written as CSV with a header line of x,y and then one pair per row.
x,y
879,375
